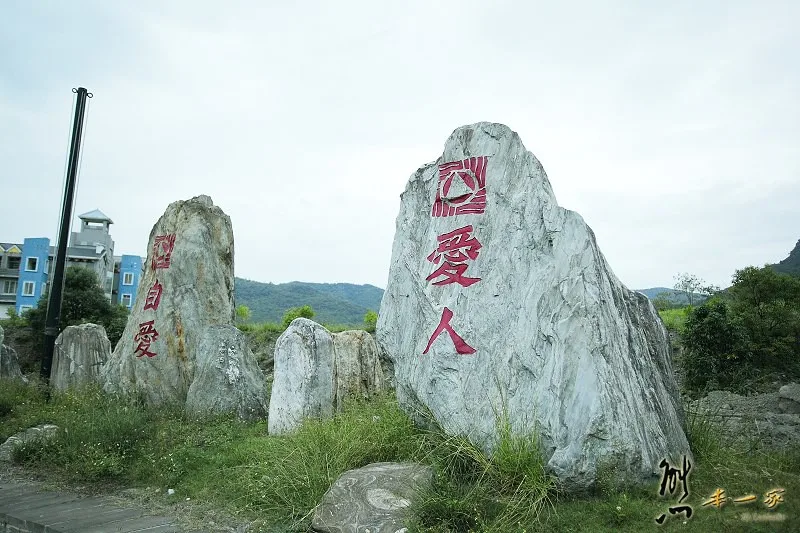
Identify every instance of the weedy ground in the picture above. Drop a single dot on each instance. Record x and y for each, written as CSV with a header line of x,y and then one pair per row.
x,y
273,483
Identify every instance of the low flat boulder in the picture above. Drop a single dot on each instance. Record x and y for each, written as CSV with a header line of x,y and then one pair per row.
x,y
227,377
30,435
79,355
376,498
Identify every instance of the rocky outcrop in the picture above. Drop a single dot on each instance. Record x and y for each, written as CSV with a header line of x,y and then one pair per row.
x,y
499,304
186,287
376,498
227,378
316,372
9,363
79,354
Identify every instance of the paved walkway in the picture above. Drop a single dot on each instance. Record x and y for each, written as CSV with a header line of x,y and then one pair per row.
x,y
25,508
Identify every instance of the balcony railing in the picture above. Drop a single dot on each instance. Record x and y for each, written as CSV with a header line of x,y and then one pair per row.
x,y
9,273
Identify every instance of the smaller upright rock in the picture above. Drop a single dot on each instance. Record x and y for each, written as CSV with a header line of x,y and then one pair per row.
x,y
789,398
375,498
358,369
227,377
304,374
79,355
9,364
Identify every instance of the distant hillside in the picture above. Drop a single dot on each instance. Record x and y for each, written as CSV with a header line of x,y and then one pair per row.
x,y
674,296
790,265
333,303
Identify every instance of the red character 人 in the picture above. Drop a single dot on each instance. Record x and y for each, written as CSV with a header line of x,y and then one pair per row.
x,y
444,325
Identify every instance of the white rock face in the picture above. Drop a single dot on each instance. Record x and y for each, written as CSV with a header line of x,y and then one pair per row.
x,y
316,372
227,378
9,363
357,367
186,287
531,319
303,385
79,355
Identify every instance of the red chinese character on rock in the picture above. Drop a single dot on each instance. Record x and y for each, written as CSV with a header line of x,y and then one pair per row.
x,y
153,296
146,336
462,188
162,251
456,247
444,325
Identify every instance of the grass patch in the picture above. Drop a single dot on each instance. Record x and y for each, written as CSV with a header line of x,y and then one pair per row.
x,y
674,319
275,482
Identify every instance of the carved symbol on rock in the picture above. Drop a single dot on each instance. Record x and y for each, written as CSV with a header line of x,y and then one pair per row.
x,y
461,188
162,251
444,325
153,297
146,336
456,247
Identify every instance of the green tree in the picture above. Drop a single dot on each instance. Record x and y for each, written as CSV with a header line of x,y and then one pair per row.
x,y
83,301
297,312
371,320
243,313
692,287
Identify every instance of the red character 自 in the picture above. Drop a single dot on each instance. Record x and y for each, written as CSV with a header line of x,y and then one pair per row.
x,y
153,297
162,251
456,248
461,188
146,336
444,325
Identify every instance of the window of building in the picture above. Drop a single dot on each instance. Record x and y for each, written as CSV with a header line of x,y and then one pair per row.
x,y
31,264
126,300
10,286
13,263
23,308
28,288
127,278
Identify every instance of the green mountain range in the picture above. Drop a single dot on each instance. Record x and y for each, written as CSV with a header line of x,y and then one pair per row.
x,y
790,265
333,303
346,303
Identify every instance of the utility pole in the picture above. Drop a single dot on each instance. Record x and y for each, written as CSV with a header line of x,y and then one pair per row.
x,y
57,283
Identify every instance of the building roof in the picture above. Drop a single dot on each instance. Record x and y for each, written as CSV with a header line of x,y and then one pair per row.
x,y
5,246
88,252
95,216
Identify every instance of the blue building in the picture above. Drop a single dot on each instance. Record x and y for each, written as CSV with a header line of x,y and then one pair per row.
x,y
25,269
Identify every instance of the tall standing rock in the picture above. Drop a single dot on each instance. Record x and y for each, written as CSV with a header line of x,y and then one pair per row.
x,y
358,372
499,303
79,356
186,287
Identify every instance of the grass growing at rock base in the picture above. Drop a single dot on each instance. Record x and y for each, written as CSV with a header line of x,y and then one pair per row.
x,y
274,482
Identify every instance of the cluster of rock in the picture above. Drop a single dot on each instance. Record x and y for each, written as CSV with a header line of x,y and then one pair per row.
x,y
316,372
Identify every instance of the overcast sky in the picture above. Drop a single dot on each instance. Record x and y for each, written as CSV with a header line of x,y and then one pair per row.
x,y
673,128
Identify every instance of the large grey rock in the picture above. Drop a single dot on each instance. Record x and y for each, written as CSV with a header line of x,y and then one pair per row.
x,y
79,355
155,358
31,435
375,498
9,363
227,378
316,372
303,383
789,398
542,331
358,372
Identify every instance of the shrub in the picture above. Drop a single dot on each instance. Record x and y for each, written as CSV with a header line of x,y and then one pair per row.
x,y
297,312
